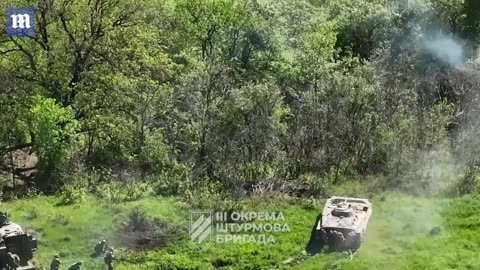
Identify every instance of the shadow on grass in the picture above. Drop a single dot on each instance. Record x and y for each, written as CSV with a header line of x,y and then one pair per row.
x,y
314,245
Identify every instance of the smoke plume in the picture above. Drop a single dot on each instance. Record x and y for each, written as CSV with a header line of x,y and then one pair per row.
x,y
445,49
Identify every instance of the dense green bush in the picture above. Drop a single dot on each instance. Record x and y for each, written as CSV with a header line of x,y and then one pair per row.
x,y
72,195
118,192
140,231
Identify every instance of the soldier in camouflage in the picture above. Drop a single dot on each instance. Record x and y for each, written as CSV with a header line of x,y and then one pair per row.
x,y
75,266
3,218
108,259
100,247
55,264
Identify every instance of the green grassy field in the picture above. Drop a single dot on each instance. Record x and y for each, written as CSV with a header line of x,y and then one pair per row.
x,y
398,235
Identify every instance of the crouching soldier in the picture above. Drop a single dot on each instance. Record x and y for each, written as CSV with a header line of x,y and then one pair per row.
x,y
55,264
108,259
75,266
100,247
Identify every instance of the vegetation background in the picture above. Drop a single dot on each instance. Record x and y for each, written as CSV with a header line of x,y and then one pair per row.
x,y
148,108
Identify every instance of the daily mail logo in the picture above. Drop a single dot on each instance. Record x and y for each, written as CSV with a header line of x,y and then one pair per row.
x,y
20,21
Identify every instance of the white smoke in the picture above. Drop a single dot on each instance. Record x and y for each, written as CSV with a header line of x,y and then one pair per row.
x,y
446,49
476,60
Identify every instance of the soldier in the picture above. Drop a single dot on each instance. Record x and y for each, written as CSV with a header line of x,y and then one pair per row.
x,y
55,264
100,247
13,261
108,259
75,266
3,218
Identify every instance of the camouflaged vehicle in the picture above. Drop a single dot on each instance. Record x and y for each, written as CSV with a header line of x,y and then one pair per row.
x,y
15,240
343,223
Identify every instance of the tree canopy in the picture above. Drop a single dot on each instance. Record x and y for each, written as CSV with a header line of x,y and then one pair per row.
x,y
228,92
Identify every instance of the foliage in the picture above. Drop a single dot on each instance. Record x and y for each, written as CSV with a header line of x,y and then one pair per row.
x,y
118,192
140,231
72,195
176,181
398,234
317,186
55,131
137,221
32,213
202,99
193,94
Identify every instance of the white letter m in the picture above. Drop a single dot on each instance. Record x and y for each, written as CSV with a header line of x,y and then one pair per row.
x,y
20,20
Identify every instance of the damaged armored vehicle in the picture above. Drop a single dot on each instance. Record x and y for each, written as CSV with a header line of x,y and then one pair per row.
x,y
15,240
343,223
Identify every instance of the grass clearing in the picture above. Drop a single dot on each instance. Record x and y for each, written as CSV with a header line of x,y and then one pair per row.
x,y
398,235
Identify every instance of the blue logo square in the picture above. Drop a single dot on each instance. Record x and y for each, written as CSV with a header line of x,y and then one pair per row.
x,y
20,21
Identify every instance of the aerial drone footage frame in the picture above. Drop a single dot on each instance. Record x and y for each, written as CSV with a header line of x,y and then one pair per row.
x,y
239,134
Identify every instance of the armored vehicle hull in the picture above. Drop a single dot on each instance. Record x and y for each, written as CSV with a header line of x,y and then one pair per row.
x,y
15,240
343,223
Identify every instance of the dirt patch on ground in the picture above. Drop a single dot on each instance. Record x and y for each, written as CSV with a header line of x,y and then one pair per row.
x,y
140,232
